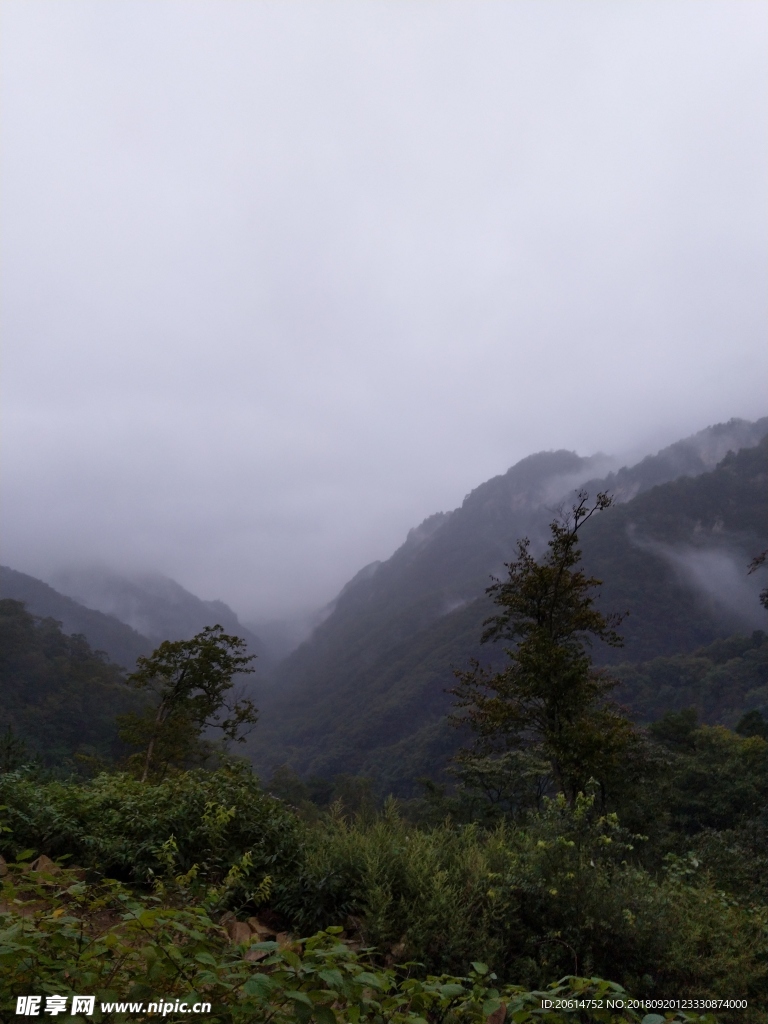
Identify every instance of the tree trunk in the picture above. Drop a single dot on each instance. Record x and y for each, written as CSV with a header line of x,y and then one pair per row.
x,y
153,737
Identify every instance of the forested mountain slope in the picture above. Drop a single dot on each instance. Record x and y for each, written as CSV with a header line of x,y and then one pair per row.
x,y
156,606
366,692
104,632
696,454
58,696
720,682
676,557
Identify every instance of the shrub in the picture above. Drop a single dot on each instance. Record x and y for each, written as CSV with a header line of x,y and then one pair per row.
x,y
121,828
67,937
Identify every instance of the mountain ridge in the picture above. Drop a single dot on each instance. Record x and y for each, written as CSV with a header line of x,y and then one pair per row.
x,y
122,644
152,604
373,673
165,609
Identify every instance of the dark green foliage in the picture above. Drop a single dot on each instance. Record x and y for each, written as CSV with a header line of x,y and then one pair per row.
x,y
715,779
583,896
548,705
721,681
58,696
677,730
564,894
149,951
122,644
752,724
117,826
14,752
367,693
736,859
351,794
190,681
711,800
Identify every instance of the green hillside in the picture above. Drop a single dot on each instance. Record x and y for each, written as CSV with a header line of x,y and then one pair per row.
x,y
154,605
366,692
720,682
59,697
676,557
122,644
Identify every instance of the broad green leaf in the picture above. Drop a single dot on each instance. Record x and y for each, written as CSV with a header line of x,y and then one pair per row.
x,y
206,958
452,990
332,977
299,997
324,1015
370,980
259,985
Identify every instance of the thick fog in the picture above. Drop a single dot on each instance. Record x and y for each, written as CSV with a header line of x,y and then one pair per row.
x,y
281,279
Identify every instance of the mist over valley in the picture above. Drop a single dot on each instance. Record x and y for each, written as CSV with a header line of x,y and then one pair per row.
x,y
351,685
384,552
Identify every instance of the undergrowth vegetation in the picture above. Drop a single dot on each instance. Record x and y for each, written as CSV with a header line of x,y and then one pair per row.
x,y
151,951
564,894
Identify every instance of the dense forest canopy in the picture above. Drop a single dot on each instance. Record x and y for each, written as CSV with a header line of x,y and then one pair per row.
x,y
59,696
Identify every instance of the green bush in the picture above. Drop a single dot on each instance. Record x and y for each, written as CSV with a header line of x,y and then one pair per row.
x,y
119,827
587,904
60,935
425,892
563,894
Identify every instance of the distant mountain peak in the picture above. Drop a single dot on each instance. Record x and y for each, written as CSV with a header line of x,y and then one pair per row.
x,y
153,604
691,456
104,632
421,533
367,690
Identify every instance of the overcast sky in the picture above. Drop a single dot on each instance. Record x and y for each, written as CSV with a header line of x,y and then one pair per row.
x,y
281,279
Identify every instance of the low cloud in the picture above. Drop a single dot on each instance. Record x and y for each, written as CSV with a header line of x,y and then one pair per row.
x,y
718,574
282,280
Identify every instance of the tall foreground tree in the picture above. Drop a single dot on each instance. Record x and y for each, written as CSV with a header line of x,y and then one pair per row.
x,y
191,681
547,708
